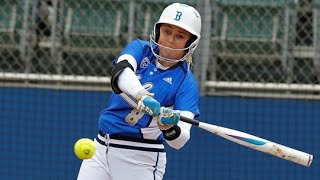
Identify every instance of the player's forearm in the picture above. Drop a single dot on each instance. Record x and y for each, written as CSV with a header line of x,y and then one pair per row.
x,y
129,83
181,140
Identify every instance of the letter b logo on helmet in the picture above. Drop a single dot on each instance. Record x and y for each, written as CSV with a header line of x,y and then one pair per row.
x,y
178,16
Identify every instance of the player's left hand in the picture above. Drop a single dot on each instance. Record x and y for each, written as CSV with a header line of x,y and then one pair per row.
x,y
168,117
149,105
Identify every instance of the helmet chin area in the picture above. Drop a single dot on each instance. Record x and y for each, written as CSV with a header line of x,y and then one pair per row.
x,y
155,45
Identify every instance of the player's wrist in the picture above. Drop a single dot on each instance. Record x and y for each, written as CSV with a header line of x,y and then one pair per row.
x,y
172,133
163,126
142,93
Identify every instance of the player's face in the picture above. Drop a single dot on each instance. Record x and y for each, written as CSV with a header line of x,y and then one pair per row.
x,y
173,37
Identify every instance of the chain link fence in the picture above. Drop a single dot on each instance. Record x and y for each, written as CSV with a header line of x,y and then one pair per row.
x,y
247,44
266,42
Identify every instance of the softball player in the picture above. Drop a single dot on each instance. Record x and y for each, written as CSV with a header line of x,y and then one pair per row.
x,y
152,86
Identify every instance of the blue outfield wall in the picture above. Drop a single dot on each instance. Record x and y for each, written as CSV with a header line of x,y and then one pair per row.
x,y
39,128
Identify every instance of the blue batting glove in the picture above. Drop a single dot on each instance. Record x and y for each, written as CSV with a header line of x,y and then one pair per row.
x,y
149,105
168,116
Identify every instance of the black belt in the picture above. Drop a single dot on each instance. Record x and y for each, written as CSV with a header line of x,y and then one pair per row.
x,y
131,139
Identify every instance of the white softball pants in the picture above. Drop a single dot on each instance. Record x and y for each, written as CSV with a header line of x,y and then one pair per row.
x,y
124,160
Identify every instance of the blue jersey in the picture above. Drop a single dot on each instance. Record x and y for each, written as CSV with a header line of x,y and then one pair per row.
x,y
174,87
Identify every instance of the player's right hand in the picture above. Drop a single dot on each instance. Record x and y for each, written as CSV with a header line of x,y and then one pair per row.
x,y
147,104
168,117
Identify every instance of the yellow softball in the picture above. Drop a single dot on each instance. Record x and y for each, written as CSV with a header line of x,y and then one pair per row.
x,y
84,148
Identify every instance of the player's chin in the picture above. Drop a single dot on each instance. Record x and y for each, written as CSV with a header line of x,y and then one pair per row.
x,y
172,56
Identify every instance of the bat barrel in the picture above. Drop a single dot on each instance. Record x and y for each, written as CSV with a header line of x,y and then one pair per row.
x,y
287,153
259,144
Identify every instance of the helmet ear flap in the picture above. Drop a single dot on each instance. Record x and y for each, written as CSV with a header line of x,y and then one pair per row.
x,y
190,41
156,32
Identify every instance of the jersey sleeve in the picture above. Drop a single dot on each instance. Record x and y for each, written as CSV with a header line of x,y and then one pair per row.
x,y
187,97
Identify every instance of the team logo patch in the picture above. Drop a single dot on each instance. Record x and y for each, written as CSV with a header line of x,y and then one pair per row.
x,y
144,63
